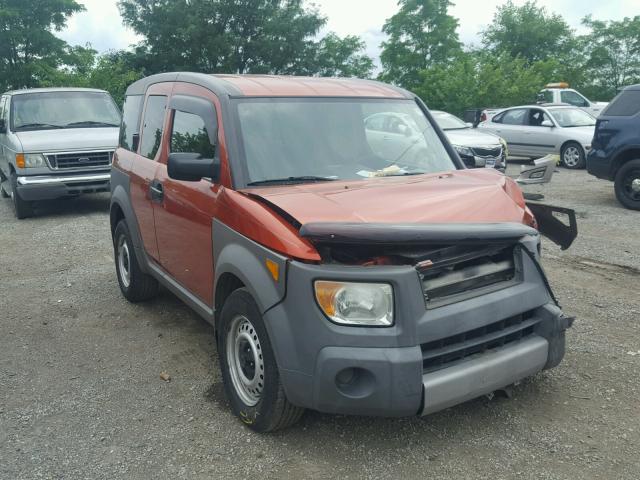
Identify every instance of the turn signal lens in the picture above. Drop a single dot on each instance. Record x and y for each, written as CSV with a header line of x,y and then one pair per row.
x,y
273,268
20,160
363,304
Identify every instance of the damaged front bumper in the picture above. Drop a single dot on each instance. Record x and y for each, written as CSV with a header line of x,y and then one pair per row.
x,y
436,354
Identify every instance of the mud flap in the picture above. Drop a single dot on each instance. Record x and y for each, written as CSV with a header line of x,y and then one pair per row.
x,y
551,227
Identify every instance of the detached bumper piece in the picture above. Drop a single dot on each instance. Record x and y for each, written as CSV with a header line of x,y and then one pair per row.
x,y
45,187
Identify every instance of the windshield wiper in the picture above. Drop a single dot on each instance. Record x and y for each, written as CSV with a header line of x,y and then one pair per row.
x,y
91,123
291,180
38,125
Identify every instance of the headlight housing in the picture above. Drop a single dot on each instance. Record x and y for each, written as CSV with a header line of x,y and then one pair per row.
x,y
31,160
358,304
466,151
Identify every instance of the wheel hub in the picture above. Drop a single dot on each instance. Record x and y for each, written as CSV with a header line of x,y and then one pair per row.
x,y
635,185
124,261
244,358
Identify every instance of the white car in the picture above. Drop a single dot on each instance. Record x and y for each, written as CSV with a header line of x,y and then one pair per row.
x,y
534,131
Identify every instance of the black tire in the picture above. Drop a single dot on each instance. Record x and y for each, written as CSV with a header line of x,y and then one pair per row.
x,y
21,208
572,156
3,179
271,410
627,185
136,286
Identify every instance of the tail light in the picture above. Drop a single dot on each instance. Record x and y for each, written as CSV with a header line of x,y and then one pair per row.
x,y
483,117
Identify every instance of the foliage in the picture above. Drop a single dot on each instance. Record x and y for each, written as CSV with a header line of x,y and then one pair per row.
x,y
28,46
239,36
612,52
528,31
421,35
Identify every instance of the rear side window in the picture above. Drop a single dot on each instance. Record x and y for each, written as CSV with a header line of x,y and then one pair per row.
x,y
153,125
130,120
624,105
189,135
513,117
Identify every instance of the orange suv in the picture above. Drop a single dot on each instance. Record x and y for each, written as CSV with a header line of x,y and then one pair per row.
x,y
344,271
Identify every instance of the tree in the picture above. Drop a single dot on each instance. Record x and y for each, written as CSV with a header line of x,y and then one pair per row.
x,y
338,57
28,46
613,55
421,35
237,36
528,31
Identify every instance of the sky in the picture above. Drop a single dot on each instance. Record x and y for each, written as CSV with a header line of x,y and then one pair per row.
x,y
101,25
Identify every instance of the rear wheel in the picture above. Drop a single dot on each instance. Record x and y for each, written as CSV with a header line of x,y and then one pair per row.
x,y
21,208
572,156
627,185
135,285
249,370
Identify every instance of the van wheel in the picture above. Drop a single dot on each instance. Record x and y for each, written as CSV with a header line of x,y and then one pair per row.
x,y
572,156
21,208
136,286
627,185
249,370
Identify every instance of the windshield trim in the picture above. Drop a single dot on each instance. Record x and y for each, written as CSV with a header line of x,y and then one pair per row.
x,y
237,160
17,129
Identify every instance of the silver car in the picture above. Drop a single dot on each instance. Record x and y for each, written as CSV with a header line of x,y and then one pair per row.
x,y
476,149
534,131
55,143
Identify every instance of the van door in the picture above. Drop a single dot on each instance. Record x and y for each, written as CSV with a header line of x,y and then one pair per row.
x,y
4,166
145,164
184,216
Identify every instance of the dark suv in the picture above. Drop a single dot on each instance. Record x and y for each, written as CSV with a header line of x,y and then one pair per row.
x,y
615,149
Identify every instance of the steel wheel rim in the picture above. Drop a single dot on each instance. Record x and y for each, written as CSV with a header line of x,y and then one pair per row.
x,y
124,261
244,358
571,156
631,185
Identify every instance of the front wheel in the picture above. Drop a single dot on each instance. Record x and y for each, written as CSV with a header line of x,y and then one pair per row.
x,y
572,156
249,371
21,208
627,185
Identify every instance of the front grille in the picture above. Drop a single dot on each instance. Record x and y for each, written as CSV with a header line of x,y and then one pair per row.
x,y
457,271
493,152
80,159
447,351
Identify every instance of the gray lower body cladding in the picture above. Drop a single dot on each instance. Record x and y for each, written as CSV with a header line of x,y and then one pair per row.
x,y
432,358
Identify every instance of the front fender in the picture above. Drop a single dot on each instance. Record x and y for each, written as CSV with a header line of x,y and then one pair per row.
x,y
236,254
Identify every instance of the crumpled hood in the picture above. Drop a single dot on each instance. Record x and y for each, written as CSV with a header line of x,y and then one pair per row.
x,y
68,140
461,196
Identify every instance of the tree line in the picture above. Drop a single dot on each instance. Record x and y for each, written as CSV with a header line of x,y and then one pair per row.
x,y
523,48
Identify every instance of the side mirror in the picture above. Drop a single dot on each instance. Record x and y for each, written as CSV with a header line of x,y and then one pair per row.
x,y
191,167
546,123
3,125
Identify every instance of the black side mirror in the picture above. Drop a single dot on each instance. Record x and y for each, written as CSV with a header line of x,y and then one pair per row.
x,y
191,167
3,125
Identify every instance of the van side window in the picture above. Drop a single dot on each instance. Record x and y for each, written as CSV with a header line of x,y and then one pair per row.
x,y
189,135
130,120
153,125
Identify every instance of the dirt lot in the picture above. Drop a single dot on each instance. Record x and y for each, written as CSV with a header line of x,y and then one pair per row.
x,y
81,397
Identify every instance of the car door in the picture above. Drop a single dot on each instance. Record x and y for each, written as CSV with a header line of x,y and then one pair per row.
x,y
145,164
184,210
540,139
510,126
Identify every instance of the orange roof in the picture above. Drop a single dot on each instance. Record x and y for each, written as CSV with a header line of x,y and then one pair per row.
x,y
290,86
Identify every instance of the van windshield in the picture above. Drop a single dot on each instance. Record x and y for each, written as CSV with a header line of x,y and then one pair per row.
x,y
306,140
63,109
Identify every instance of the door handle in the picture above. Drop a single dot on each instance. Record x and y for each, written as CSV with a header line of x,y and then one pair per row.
x,y
156,191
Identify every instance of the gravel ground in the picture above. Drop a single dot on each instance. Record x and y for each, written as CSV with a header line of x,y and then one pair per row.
x,y
81,396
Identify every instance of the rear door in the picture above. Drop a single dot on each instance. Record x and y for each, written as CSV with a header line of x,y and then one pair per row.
x,y
183,215
144,168
510,126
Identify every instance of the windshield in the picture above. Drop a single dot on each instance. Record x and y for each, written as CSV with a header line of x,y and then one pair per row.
x,y
572,117
303,140
446,121
52,110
